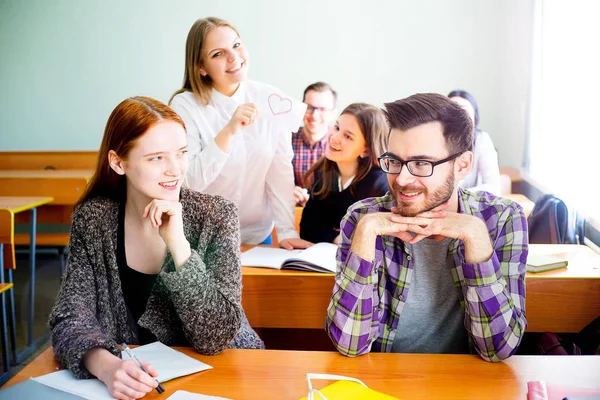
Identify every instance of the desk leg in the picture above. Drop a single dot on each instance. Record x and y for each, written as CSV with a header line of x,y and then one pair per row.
x,y
31,345
13,322
32,237
11,309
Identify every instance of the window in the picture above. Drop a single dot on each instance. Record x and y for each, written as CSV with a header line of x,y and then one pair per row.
x,y
563,152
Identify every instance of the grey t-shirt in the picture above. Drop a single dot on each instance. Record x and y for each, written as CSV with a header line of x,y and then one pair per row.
x,y
432,320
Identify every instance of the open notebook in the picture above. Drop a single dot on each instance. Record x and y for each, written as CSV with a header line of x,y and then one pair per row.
x,y
169,364
317,258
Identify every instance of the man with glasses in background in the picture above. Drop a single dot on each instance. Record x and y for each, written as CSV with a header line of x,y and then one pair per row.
x,y
309,142
430,267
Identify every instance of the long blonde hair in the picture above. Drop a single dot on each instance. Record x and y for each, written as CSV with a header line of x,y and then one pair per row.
x,y
193,81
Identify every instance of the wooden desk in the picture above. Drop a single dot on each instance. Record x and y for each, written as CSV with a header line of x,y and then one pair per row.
x,y
271,374
516,180
512,173
523,202
66,186
9,206
53,160
558,301
567,299
285,299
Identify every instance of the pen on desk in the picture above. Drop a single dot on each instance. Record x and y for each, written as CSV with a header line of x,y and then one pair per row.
x,y
127,350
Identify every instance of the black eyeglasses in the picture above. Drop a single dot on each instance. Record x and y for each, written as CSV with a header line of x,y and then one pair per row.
x,y
311,109
390,164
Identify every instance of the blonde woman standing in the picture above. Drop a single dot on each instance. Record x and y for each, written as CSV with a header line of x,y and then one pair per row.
x,y
233,152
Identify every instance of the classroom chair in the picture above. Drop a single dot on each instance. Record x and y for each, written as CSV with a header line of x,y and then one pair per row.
x,y
297,217
4,287
8,261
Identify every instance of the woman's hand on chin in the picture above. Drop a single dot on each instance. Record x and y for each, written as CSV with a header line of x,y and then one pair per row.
x,y
166,215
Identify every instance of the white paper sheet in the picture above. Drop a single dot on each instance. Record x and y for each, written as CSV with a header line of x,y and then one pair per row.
x,y
183,395
280,109
167,362
322,254
64,380
269,257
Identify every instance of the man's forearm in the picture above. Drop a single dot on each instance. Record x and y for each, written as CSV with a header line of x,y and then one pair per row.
x,y
363,240
478,247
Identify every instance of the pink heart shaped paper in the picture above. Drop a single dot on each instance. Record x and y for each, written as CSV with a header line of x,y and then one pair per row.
x,y
279,105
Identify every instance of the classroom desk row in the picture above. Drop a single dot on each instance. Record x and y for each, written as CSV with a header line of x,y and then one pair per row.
x,y
9,208
563,300
66,187
276,374
32,194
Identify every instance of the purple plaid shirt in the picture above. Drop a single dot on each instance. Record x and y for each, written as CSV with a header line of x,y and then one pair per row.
x,y
368,297
305,154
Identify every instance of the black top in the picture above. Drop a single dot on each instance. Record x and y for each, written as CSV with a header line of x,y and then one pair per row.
x,y
136,285
321,217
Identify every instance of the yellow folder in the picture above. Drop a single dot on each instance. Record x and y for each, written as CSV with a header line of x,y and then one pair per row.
x,y
348,390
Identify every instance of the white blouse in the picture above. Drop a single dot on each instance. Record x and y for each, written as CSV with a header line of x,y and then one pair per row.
x,y
256,173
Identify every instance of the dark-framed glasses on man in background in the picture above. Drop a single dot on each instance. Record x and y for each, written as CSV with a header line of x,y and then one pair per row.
x,y
310,109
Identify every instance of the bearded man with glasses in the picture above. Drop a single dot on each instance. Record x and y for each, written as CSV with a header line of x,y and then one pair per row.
x,y
430,267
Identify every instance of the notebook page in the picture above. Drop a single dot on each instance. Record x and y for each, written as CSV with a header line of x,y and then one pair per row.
x,y
168,363
65,381
184,395
322,254
269,257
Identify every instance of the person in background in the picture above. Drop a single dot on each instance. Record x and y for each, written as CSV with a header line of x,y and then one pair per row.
x,y
347,173
430,267
485,172
148,259
310,141
233,152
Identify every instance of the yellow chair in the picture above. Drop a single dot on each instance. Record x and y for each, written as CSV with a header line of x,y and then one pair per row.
x,y
7,260
298,217
4,287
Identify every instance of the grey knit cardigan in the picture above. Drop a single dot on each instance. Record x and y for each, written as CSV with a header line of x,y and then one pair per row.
x,y
199,305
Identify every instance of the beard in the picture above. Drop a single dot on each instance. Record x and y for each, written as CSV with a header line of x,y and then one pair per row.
x,y
431,201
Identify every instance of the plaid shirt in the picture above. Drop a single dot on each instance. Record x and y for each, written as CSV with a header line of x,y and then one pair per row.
x,y
305,154
368,297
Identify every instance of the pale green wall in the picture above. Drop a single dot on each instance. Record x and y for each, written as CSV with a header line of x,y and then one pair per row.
x,y
64,65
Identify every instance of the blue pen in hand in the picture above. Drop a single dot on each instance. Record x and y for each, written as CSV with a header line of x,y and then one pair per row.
x,y
127,350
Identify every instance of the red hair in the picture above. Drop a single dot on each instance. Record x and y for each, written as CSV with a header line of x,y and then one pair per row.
x,y
131,119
